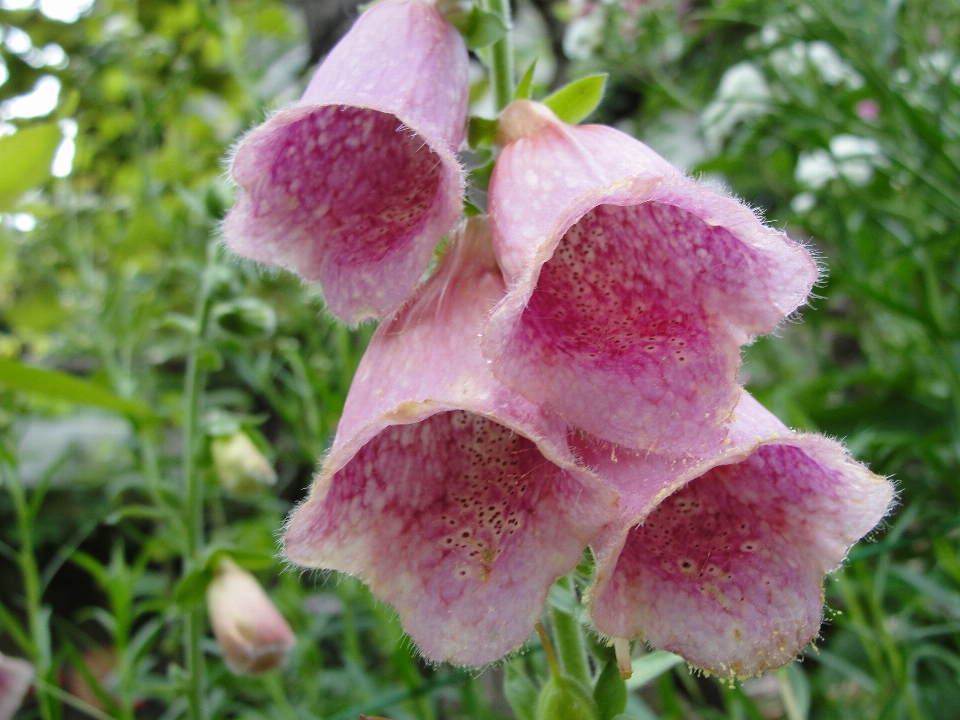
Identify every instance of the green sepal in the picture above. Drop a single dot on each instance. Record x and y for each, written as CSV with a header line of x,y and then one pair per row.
x,y
481,131
610,692
563,698
469,209
479,28
574,102
33,148
525,87
520,691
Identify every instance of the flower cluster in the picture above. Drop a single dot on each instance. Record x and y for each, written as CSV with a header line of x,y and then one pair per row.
x,y
566,377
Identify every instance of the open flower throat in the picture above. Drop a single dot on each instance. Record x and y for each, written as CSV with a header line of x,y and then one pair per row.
x,y
566,377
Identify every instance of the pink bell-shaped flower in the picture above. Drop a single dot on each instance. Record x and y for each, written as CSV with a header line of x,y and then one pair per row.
x,y
722,560
355,184
16,676
630,288
456,500
253,636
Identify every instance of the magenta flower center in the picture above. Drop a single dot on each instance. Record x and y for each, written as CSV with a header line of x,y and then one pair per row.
x,y
456,480
343,173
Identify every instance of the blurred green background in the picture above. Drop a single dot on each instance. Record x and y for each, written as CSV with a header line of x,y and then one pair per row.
x,y
839,121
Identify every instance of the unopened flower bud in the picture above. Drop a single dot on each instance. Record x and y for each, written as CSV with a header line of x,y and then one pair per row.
x,y
253,635
563,698
240,466
15,678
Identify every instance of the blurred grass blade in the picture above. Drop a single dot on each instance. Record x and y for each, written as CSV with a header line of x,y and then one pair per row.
x,y
651,666
61,386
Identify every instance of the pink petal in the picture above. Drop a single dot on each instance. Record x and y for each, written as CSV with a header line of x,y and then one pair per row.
x,y
355,184
728,569
456,500
16,676
630,287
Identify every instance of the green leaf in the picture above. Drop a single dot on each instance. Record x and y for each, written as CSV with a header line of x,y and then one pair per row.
x,y
651,666
610,692
61,386
480,176
520,692
525,87
479,28
28,154
192,589
481,131
574,102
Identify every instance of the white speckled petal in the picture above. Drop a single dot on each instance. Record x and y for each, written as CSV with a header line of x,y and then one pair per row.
x,y
355,184
721,558
455,499
630,287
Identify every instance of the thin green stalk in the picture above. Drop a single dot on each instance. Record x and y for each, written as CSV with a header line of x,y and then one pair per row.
x,y
501,56
548,651
193,491
39,634
569,638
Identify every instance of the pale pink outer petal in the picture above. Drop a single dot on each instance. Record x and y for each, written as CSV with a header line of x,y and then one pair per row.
x,y
355,184
16,676
456,500
727,566
630,287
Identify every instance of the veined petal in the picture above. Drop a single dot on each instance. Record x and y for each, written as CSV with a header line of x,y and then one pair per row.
x,y
355,184
456,500
630,287
727,565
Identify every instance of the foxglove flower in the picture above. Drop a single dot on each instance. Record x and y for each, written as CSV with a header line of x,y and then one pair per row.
x,y
16,676
354,185
456,500
722,560
630,288
253,635
240,466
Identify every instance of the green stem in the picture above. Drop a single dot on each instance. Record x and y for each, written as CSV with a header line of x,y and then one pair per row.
x,y
193,490
501,56
570,640
39,634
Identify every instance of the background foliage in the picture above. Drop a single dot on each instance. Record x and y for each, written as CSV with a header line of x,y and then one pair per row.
x,y
843,127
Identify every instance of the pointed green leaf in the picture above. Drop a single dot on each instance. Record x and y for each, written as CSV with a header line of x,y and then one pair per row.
x,y
479,28
480,131
27,156
525,88
61,386
650,666
574,102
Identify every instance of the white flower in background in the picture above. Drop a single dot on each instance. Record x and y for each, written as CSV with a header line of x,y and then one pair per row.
x,y
803,202
240,466
832,69
584,35
743,94
850,156
16,676
815,169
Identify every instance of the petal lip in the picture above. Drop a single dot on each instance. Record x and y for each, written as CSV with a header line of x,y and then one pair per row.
x,y
723,561
560,198
354,185
458,501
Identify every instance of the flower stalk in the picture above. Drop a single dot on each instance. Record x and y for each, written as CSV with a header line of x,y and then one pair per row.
x,y
569,637
193,487
501,56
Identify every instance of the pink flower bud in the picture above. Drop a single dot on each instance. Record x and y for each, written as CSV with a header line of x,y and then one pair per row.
x,y
453,498
721,559
16,676
355,184
252,634
630,288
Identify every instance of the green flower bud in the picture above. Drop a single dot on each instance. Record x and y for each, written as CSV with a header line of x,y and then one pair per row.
x,y
241,467
563,698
